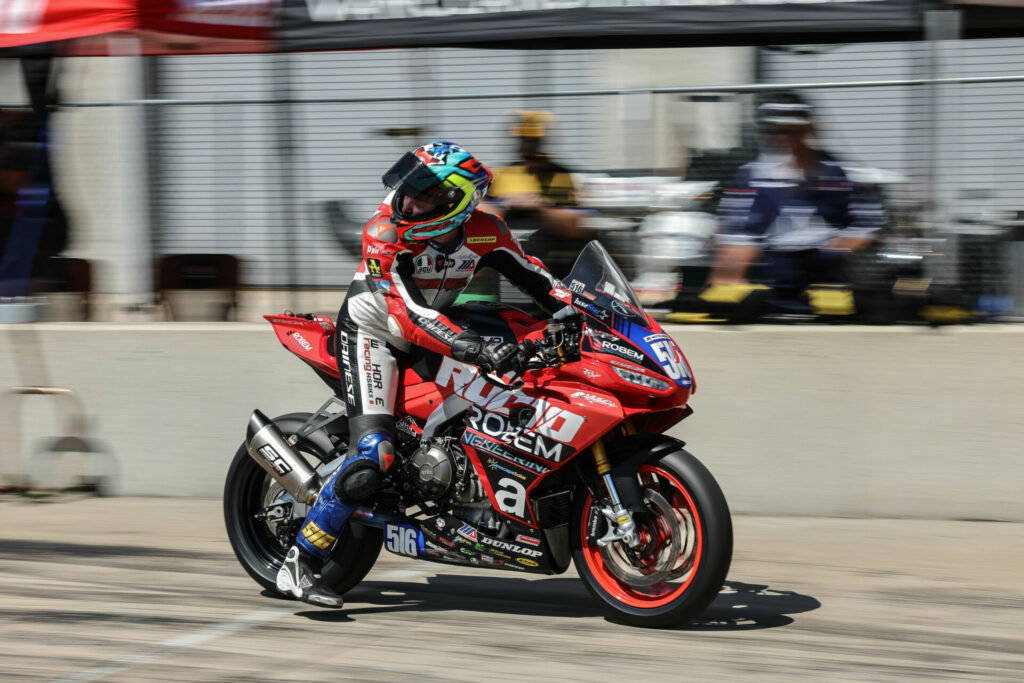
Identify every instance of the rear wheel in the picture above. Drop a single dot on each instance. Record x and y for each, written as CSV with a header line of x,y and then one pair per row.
x,y
685,550
260,541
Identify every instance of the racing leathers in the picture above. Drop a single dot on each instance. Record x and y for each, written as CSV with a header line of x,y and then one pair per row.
x,y
394,302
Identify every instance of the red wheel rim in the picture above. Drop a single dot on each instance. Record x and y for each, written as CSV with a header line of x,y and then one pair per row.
x,y
664,592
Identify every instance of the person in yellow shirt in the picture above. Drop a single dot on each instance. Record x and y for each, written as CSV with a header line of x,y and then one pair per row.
x,y
538,193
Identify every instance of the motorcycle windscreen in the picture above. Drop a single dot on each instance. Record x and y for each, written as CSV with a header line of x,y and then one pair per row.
x,y
599,288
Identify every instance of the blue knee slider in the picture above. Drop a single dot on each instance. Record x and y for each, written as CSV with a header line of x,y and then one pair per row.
x,y
361,474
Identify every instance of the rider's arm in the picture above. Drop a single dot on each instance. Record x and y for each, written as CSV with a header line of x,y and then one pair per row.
x,y
527,273
421,325
388,267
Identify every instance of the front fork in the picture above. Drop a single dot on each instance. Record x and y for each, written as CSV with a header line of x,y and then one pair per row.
x,y
621,526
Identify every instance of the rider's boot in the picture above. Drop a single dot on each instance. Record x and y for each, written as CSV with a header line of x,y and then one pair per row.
x,y
297,578
356,481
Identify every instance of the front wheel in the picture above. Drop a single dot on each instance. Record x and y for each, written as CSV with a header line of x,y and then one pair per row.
x,y
684,553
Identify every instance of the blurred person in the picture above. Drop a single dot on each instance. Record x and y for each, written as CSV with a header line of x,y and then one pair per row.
x,y
794,206
420,250
33,225
538,193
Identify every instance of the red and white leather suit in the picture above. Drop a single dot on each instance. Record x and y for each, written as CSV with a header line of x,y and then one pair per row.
x,y
396,296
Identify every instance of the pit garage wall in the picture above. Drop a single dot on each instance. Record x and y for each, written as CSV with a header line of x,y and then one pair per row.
x,y
905,422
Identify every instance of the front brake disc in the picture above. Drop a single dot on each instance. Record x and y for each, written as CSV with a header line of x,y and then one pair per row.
x,y
628,565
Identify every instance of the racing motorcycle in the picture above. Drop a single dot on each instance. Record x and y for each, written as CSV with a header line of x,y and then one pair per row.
x,y
566,463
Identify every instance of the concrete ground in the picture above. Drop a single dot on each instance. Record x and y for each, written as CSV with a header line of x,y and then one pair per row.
x,y
134,589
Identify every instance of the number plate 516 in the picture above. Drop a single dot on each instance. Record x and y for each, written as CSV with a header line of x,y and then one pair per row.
x,y
402,540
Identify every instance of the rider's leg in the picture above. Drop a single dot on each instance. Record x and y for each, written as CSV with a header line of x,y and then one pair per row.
x,y
369,375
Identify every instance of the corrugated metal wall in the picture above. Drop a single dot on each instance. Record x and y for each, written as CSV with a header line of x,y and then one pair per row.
x,y
222,186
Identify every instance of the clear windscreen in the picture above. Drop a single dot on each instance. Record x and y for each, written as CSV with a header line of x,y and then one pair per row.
x,y
596,278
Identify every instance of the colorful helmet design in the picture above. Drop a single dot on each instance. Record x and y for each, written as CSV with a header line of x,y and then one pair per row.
x,y
436,189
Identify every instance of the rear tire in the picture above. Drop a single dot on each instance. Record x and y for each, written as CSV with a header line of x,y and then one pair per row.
x,y
255,543
682,563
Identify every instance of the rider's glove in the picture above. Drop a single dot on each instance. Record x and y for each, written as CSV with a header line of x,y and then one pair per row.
x,y
497,357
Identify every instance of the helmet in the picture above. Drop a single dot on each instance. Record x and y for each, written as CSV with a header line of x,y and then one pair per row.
x,y
436,189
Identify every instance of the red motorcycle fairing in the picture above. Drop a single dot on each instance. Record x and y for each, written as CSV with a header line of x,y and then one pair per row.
x,y
310,337
516,438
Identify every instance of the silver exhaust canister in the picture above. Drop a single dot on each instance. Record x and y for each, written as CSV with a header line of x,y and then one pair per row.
x,y
269,447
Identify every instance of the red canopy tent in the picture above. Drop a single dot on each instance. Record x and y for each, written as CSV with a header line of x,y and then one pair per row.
x,y
165,26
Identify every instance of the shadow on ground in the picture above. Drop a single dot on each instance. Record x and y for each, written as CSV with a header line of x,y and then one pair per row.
x,y
739,606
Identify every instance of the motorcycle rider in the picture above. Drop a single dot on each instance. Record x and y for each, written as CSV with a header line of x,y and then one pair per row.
x,y
420,250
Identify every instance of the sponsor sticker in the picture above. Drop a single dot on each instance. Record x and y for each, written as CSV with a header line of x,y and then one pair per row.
x,y
528,540
467,532
501,467
533,438
655,337
274,459
302,341
592,398
497,545
526,562
606,343
489,239
373,267
622,309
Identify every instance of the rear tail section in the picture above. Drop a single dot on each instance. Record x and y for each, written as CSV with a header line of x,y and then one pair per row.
x,y
310,337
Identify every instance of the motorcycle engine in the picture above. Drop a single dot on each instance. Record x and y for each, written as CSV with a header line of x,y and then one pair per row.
x,y
434,467
439,470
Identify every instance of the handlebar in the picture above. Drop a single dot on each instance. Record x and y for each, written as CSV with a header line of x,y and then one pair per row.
x,y
529,349
553,339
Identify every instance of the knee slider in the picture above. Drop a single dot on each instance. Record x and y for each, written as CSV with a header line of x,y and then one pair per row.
x,y
358,482
361,475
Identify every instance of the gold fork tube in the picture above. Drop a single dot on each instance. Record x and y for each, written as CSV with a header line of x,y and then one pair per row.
x,y
601,458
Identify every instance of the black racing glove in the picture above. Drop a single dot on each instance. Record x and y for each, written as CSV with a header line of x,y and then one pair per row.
x,y
497,357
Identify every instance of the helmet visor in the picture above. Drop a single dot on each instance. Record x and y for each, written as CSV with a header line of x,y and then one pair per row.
x,y
420,194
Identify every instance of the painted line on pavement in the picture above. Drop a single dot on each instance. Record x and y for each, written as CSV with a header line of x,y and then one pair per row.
x,y
204,635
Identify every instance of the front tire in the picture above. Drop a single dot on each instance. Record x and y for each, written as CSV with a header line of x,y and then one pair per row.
x,y
257,544
684,557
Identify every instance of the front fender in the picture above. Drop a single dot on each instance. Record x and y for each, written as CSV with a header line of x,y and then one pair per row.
x,y
627,455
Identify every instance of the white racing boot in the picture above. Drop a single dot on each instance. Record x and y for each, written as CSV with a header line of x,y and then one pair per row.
x,y
295,578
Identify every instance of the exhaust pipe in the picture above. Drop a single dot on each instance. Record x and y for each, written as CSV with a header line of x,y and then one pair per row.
x,y
268,447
